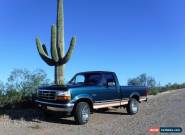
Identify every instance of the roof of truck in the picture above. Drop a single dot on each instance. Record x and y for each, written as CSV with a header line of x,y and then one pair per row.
x,y
96,72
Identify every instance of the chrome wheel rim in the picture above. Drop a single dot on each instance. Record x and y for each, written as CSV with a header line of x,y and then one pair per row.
x,y
85,114
134,106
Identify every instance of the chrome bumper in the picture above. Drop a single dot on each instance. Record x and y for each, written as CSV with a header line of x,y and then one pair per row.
x,y
56,107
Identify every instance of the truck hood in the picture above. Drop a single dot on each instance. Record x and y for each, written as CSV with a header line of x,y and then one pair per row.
x,y
64,87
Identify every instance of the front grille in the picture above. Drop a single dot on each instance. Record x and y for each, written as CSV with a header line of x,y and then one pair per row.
x,y
47,94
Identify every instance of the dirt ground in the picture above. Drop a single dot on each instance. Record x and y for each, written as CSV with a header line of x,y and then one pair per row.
x,y
164,110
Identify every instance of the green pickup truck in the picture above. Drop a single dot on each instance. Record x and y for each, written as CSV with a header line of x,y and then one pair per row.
x,y
88,91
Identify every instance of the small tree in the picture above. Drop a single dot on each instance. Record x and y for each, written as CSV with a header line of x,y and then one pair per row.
x,y
134,82
143,80
2,88
20,86
25,81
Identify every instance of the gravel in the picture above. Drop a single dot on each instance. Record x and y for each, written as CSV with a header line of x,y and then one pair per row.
x,y
164,110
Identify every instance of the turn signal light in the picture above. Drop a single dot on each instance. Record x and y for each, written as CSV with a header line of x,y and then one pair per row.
x,y
63,98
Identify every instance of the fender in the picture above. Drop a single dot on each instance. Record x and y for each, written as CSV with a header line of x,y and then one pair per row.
x,y
134,94
82,96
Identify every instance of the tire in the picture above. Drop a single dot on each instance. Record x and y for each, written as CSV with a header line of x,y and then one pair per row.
x,y
133,106
82,113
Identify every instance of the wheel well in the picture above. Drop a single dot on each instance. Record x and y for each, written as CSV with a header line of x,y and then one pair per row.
x,y
135,97
84,100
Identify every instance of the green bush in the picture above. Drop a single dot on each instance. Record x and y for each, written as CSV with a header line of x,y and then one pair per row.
x,y
153,91
20,86
150,82
142,80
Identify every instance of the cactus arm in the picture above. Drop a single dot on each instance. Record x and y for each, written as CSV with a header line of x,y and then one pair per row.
x,y
60,29
70,51
44,48
54,53
43,54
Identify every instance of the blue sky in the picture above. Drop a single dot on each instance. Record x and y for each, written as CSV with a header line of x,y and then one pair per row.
x,y
129,37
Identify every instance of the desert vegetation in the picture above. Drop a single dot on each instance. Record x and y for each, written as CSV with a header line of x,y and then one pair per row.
x,y
22,83
153,87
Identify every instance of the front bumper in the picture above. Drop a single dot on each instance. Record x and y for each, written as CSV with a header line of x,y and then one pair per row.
x,y
68,108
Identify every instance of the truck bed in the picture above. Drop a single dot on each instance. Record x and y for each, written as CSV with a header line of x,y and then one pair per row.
x,y
128,90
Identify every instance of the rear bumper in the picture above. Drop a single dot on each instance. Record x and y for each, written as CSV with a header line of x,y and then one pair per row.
x,y
68,108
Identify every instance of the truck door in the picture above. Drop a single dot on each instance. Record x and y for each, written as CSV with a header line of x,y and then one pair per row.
x,y
109,92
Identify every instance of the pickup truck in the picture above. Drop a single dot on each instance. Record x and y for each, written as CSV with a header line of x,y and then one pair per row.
x,y
88,91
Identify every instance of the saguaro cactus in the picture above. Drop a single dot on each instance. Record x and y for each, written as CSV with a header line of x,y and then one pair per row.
x,y
58,59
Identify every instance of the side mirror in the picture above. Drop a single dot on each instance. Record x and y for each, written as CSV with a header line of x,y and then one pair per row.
x,y
111,83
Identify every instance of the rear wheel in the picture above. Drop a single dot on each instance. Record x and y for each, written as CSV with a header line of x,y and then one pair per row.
x,y
133,106
82,113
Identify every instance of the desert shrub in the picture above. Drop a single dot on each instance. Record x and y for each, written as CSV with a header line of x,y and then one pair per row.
x,y
13,97
1,92
150,82
173,86
142,80
153,91
2,88
20,86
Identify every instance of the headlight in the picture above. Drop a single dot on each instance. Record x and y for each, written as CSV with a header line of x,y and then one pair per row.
x,y
63,95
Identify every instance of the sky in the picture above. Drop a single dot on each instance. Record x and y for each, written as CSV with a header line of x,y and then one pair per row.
x,y
128,37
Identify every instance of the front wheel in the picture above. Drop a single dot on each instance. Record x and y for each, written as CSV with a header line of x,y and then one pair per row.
x,y
82,113
133,106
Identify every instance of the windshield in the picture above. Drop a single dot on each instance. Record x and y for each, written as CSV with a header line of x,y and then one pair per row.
x,y
86,79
